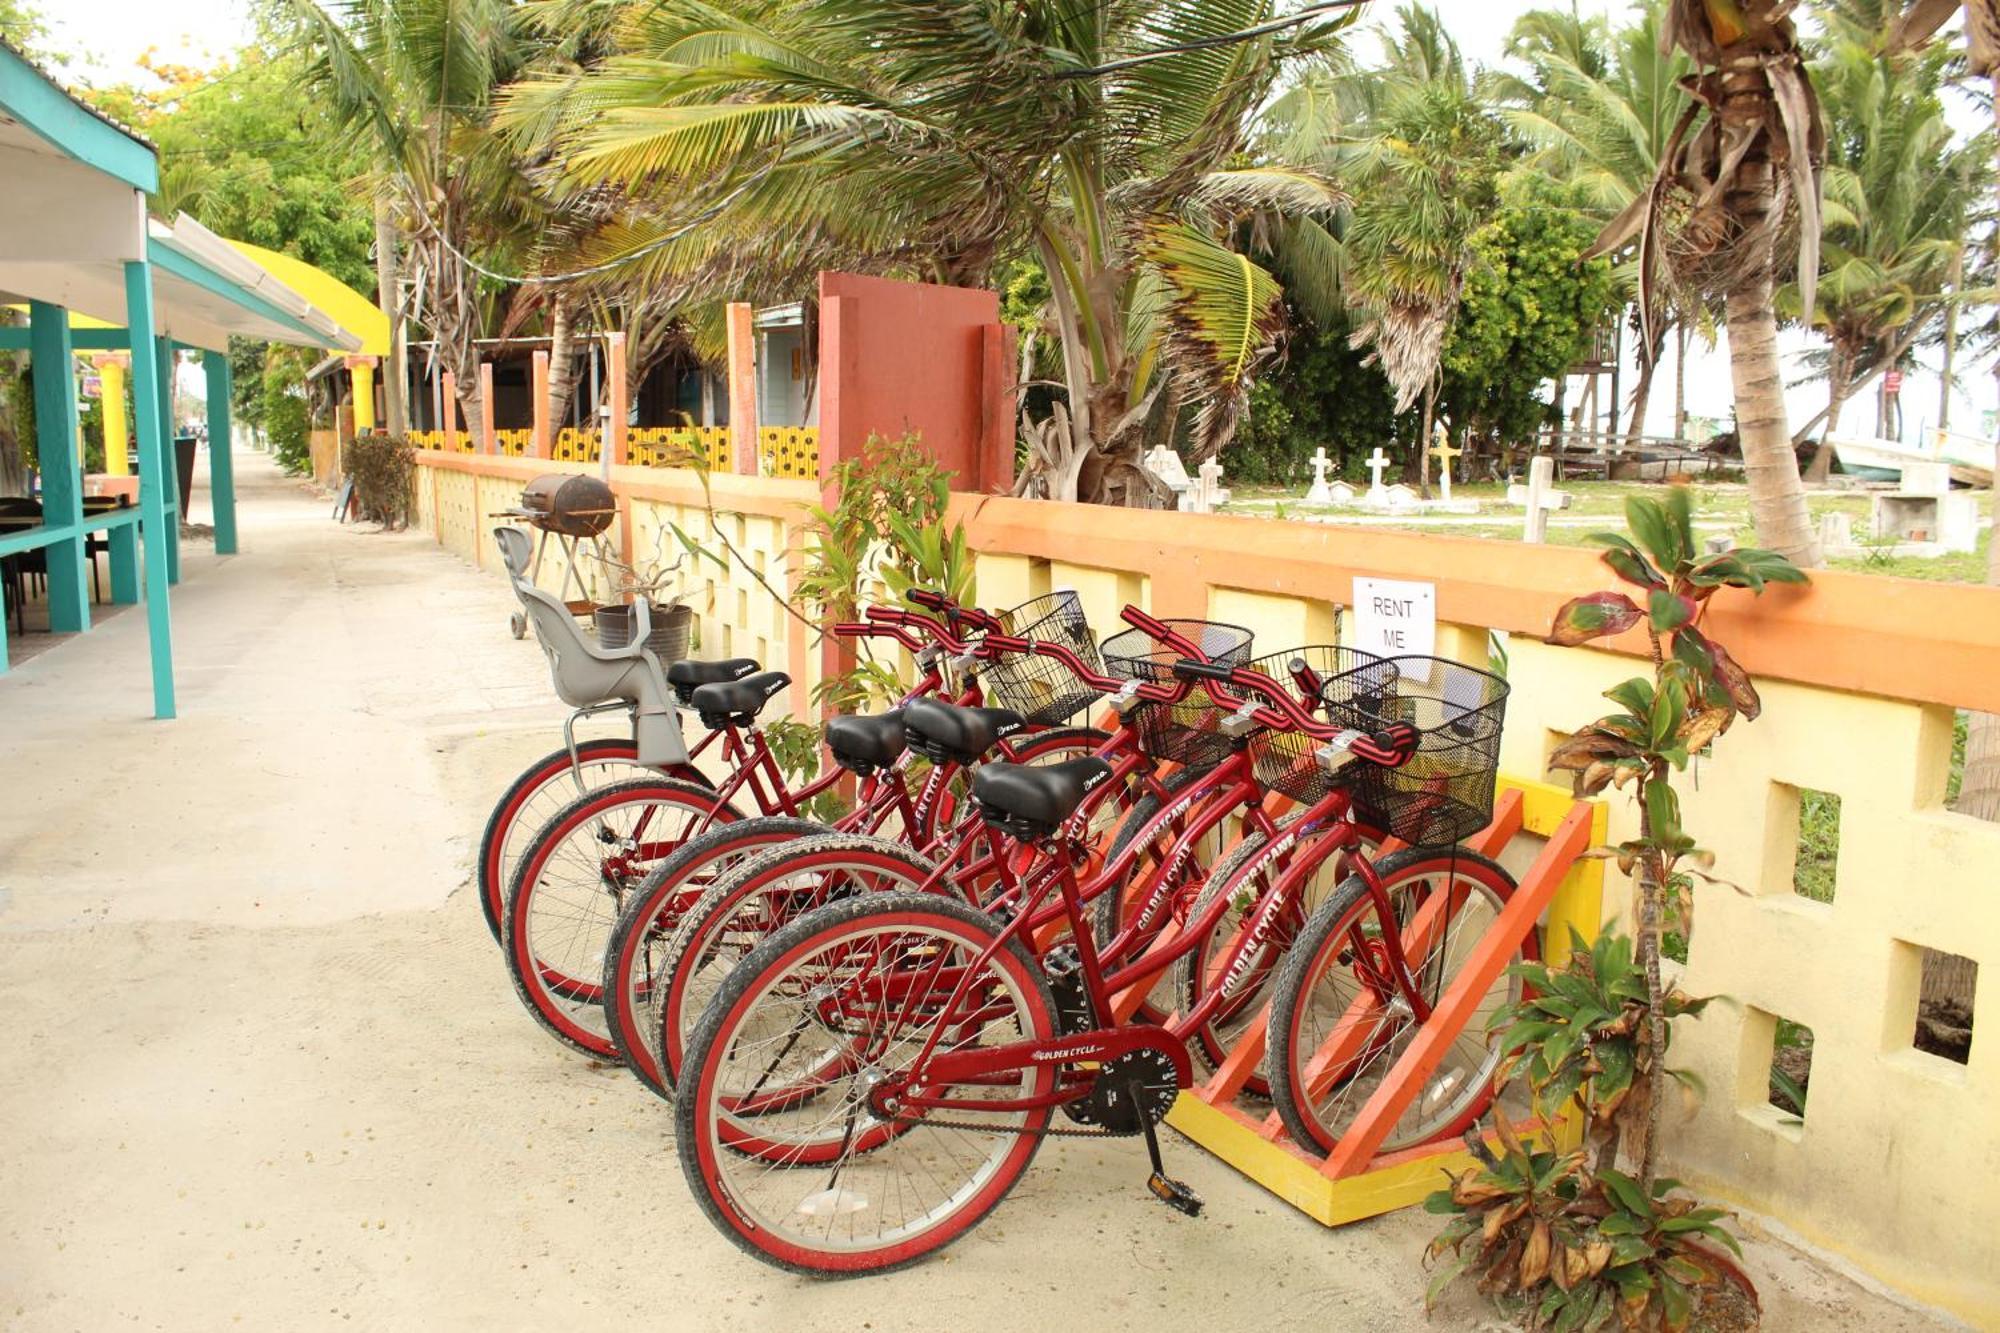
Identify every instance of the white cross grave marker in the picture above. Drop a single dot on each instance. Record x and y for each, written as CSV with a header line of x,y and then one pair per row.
x,y
1319,494
1165,464
1539,497
1444,454
1378,463
1208,482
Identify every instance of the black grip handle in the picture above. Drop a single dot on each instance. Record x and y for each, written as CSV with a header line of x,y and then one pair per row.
x,y
924,597
1399,738
1203,670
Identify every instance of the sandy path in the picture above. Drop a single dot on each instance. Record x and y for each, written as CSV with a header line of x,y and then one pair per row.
x,y
264,1067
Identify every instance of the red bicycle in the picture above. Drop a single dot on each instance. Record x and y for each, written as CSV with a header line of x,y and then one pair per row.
x,y
876,1075
595,854
880,750
1134,823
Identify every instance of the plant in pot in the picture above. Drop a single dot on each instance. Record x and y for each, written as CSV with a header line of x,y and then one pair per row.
x,y
1570,1240
671,622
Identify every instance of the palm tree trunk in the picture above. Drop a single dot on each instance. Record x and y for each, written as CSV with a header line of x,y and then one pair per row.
x,y
1424,441
1681,381
1839,378
388,276
562,362
452,313
1777,497
1066,443
1642,392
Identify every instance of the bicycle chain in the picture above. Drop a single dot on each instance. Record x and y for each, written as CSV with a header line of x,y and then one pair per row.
x,y
1050,1132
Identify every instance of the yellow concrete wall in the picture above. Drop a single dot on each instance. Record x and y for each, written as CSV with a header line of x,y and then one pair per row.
x,y
1893,1164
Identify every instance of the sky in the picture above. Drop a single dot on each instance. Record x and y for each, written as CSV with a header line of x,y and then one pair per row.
x,y
108,37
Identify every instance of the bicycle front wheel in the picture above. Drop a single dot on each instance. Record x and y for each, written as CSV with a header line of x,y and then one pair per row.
x,y
747,903
543,788
833,1005
635,962
571,885
1339,1021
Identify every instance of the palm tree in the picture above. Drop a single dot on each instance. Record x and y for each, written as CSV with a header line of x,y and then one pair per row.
x,y
1741,163
1899,194
1599,112
1424,175
418,78
1105,139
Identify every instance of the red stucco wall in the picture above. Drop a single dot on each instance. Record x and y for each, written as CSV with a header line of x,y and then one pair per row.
x,y
914,356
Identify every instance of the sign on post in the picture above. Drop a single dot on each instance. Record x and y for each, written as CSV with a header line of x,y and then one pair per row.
x,y
1393,618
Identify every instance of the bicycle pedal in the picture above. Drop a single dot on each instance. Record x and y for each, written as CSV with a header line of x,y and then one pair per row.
x,y
1174,1194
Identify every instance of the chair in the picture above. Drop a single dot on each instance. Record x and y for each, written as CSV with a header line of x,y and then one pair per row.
x,y
96,543
16,569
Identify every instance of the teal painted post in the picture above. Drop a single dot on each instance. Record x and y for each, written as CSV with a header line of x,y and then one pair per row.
x,y
55,444
155,478
124,559
221,467
170,470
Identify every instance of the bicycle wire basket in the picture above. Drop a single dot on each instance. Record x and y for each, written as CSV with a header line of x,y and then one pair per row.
x,y
1188,733
1042,689
1351,687
1444,793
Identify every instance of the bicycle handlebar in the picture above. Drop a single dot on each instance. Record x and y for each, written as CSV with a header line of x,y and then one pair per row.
x,y
852,630
1390,747
954,613
1159,630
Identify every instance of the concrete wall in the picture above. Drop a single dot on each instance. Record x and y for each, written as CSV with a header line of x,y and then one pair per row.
x,y
1893,1163
914,356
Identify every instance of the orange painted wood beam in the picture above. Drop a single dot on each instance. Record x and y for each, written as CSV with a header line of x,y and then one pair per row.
x,y
1357,1148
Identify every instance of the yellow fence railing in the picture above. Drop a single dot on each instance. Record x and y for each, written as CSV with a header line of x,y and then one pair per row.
x,y
789,451
782,451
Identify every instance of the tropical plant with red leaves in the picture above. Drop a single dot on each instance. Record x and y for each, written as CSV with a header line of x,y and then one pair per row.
x,y
1696,692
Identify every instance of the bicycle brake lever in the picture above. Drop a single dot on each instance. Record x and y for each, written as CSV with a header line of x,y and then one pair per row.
x,y
1241,722
1336,752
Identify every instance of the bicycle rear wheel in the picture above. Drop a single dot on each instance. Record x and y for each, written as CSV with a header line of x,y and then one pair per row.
x,y
835,1003
1338,1026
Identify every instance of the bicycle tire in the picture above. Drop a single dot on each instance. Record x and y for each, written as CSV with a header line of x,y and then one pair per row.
x,y
635,1028
493,867
636,944
705,1155
711,917
1209,1045
551,989
1338,921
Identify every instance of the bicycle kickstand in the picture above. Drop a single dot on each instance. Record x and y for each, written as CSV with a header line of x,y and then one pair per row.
x,y
1165,1188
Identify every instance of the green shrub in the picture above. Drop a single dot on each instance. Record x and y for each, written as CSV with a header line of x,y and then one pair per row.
x,y
287,418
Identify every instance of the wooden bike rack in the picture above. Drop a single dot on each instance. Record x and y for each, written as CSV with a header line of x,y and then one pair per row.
x,y
1358,1180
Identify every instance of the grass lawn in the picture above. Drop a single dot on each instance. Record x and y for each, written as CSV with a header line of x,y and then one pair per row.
x,y
1721,507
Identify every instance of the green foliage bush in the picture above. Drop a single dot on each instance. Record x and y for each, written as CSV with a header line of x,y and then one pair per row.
x,y
287,419
1320,395
1531,303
